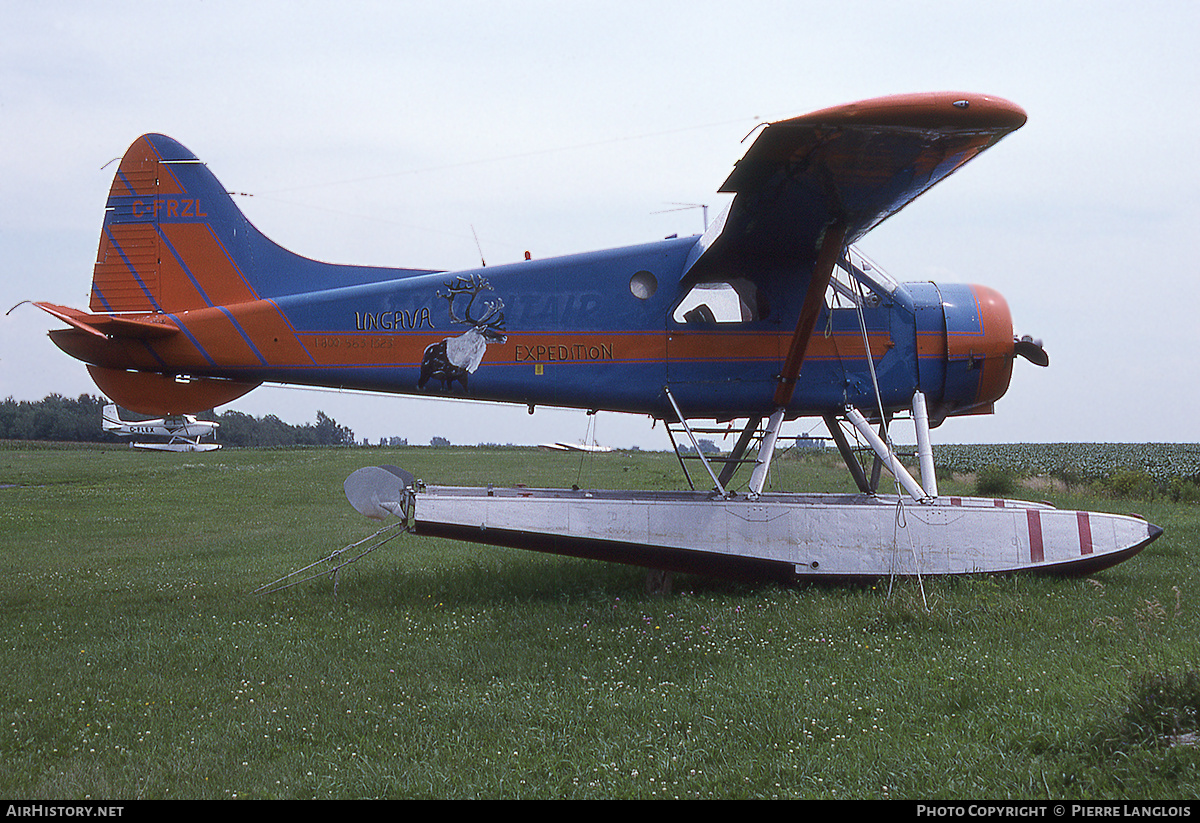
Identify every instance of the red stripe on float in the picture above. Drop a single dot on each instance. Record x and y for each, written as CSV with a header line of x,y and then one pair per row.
x,y
1085,533
1036,555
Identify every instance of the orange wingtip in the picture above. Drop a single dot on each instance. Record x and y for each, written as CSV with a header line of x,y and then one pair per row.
x,y
930,110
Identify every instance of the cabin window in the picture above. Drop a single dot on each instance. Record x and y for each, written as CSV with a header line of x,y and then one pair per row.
x,y
643,285
723,301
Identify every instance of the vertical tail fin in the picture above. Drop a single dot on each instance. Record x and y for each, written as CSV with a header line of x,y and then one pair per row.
x,y
111,418
174,240
172,236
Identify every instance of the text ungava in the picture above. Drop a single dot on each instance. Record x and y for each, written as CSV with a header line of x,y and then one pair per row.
x,y
398,319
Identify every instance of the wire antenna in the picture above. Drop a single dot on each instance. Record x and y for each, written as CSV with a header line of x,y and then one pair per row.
x,y
686,207
482,262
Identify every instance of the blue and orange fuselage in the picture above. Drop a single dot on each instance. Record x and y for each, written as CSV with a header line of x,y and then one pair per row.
x,y
576,335
191,306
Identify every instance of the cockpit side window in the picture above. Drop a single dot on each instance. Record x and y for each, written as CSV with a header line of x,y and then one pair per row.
x,y
735,300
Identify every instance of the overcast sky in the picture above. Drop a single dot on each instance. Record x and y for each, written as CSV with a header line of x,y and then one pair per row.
x,y
392,133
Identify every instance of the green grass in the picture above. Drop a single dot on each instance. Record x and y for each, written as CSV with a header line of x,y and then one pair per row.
x,y
137,662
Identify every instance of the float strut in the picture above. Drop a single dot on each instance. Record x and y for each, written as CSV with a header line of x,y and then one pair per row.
x,y
766,451
886,455
695,445
924,448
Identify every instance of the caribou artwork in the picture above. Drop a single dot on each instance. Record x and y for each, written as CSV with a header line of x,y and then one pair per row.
x,y
456,358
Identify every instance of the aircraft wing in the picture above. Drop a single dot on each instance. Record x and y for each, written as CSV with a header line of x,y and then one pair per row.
x,y
851,166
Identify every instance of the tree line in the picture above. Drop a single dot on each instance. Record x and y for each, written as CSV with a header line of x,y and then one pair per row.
x,y
77,420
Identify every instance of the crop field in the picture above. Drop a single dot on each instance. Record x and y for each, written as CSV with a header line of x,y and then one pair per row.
x,y
1159,462
137,661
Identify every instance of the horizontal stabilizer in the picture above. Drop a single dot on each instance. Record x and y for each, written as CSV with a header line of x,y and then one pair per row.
x,y
107,325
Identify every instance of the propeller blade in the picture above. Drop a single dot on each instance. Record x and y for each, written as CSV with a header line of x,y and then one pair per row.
x,y
1032,351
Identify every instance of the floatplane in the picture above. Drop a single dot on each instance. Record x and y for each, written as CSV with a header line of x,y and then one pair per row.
x,y
770,315
182,432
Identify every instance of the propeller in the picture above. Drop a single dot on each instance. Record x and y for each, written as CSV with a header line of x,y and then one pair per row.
x,y
1031,350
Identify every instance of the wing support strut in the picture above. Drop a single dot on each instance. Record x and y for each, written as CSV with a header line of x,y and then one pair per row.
x,y
827,257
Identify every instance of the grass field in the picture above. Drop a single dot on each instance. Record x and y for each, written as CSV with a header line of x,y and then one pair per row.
x,y
138,663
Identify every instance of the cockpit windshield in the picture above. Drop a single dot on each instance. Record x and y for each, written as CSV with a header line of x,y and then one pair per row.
x,y
857,278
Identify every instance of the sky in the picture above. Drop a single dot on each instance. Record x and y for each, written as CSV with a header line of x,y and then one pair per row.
x,y
436,135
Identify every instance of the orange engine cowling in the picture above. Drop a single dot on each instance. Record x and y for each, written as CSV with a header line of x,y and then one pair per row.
x,y
992,351
979,349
